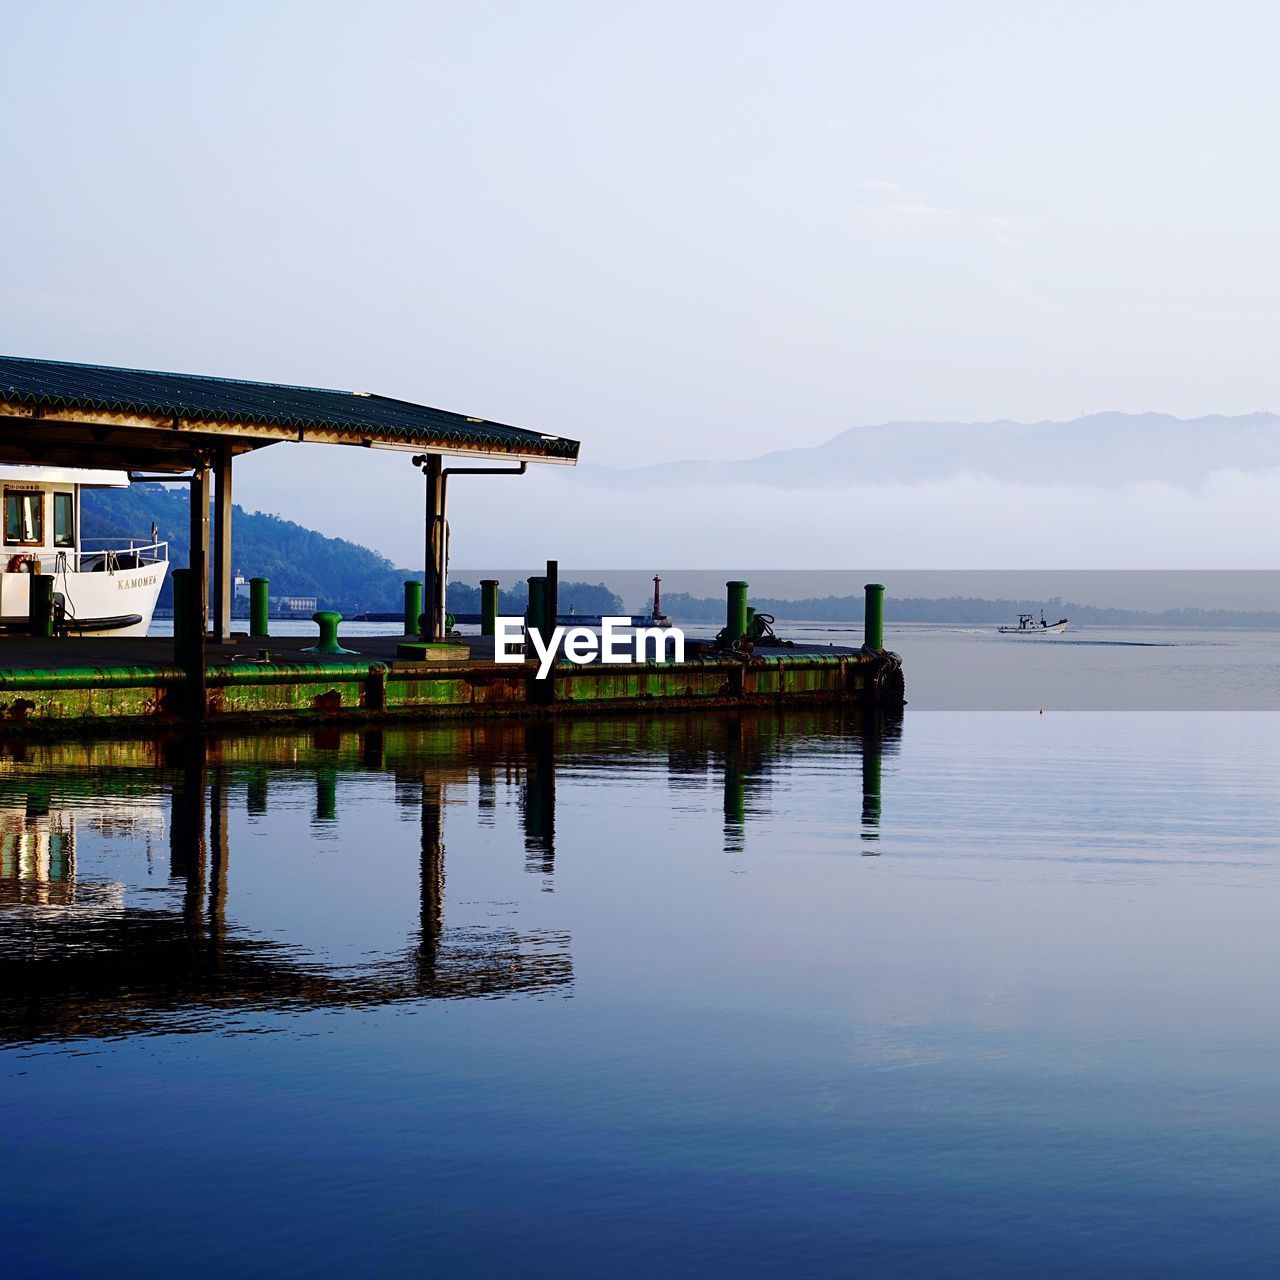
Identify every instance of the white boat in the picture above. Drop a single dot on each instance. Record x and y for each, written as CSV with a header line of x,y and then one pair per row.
x,y
107,588
1028,626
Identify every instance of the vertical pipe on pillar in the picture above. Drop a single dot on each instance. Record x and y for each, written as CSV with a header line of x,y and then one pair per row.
x,y
488,606
873,618
433,573
412,606
259,607
736,616
222,585
553,595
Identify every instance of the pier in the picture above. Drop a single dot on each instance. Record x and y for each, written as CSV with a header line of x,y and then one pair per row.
x,y
103,686
185,428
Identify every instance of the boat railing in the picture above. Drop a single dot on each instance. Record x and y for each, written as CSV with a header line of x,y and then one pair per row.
x,y
110,554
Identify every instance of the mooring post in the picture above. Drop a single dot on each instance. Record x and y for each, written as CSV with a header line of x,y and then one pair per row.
x,y
40,605
188,641
181,604
412,606
873,618
736,621
259,607
488,606
327,621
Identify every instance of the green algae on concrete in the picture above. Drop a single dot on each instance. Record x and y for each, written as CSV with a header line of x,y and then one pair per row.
x,y
102,700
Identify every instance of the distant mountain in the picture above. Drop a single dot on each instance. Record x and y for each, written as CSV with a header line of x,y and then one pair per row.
x,y
298,561
341,575
1104,450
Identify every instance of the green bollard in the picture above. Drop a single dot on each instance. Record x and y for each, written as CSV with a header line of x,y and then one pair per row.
x,y
181,608
328,644
488,606
412,606
736,623
873,618
259,609
40,605
536,611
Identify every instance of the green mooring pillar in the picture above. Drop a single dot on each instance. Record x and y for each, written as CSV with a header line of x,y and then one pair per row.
x,y
259,609
736,621
873,618
488,606
412,606
40,604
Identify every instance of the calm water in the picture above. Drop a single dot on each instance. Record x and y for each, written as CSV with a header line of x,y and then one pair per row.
x,y
980,994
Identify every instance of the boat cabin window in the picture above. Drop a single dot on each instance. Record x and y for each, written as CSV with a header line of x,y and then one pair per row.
x,y
23,518
64,520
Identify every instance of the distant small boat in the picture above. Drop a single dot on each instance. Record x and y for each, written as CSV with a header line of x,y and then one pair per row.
x,y
1028,626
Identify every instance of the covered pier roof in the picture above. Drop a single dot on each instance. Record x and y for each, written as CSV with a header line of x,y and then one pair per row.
x,y
53,412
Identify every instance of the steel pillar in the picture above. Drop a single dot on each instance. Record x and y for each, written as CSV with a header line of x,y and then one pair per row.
x,y
222,571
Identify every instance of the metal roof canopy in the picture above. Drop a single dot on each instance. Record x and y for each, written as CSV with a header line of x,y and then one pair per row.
x,y
55,413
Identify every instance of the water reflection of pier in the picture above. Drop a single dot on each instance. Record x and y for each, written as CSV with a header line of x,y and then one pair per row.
x,y
109,962
752,754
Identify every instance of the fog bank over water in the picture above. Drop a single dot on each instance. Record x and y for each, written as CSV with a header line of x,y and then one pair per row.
x,y
1227,520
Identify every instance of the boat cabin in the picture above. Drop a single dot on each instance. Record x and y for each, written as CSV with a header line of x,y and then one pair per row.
x,y
104,585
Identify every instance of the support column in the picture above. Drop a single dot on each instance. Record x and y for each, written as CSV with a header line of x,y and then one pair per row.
x,y
222,572
201,488
198,613
433,573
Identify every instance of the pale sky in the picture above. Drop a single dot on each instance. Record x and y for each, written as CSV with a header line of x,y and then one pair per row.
x,y
667,229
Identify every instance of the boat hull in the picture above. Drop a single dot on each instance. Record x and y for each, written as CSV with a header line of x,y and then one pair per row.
x,y
1055,630
117,602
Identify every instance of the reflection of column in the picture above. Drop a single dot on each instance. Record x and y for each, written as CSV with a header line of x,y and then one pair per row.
x,y
187,828
373,749
218,853
487,802
872,751
256,796
431,876
326,794
735,801
540,802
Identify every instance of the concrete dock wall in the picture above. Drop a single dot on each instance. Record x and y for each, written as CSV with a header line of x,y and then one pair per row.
x,y
97,701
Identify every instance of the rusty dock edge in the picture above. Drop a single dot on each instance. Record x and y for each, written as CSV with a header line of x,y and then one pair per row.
x,y
93,701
